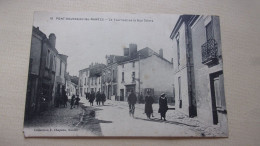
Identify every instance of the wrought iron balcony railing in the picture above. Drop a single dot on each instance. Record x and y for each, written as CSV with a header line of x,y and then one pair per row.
x,y
209,52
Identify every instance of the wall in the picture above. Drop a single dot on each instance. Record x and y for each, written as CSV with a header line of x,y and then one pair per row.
x,y
157,73
202,71
36,46
181,71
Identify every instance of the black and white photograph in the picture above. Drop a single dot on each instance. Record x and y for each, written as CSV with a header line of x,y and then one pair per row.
x,y
104,74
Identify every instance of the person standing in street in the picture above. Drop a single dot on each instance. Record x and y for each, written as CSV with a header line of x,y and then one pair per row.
x,y
132,101
87,96
92,98
163,106
72,101
148,105
77,99
103,97
98,98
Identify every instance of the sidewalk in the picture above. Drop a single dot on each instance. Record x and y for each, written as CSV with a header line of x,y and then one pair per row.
x,y
177,117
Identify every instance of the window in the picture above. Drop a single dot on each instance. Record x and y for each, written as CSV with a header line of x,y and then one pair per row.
x,y
123,76
178,51
123,65
85,81
54,63
91,81
180,98
60,67
133,76
209,31
133,64
48,59
99,80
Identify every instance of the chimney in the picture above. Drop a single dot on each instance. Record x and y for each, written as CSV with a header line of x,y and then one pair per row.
x,y
52,39
161,53
132,50
126,51
172,60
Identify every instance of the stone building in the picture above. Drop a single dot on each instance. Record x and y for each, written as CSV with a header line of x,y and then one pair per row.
x,y
197,43
42,72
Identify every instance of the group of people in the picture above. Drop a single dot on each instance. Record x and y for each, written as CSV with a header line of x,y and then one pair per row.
x,y
74,102
99,97
163,105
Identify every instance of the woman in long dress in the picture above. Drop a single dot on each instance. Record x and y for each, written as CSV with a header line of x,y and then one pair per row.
x,y
148,105
163,106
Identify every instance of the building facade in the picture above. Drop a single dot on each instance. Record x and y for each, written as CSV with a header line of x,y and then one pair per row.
x,y
71,85
42,72
197,44
148,71
139,71
90,79
83,81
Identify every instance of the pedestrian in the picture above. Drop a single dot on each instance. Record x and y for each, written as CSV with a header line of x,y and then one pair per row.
x,y
72,101
141,99
132,101
66,98
77,99
87,95
163,106
148,105
92,98
103,97
98,98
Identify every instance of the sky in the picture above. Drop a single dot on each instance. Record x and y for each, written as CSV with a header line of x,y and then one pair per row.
x,y
87,37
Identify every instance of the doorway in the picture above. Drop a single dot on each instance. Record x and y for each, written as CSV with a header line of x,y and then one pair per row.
x,y
217,94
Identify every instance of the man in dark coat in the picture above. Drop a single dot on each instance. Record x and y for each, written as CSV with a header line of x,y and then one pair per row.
x,y
72,101
132,101
98,98
92,98
148,105
163,106
103,97
77,99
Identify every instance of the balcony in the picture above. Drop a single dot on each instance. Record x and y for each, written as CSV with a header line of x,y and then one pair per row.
x,y
209,52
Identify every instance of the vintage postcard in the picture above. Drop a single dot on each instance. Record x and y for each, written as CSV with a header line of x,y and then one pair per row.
x,y
125,75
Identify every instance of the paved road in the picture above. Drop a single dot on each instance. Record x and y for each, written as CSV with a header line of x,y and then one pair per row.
x,y
117,122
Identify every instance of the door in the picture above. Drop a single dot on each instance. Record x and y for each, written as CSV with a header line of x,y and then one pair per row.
x,y
217,95
122,97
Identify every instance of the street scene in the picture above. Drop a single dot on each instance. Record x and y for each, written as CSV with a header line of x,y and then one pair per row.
x,y
97,81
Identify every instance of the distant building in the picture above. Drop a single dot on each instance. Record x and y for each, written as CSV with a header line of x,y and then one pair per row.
x,y
83,79
90,78
71,85
139,71
42,72
198,65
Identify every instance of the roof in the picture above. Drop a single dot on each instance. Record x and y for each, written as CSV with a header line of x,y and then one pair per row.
x,y
182,18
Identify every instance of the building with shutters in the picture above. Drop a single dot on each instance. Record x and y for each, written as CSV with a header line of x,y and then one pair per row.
x,y
198,69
